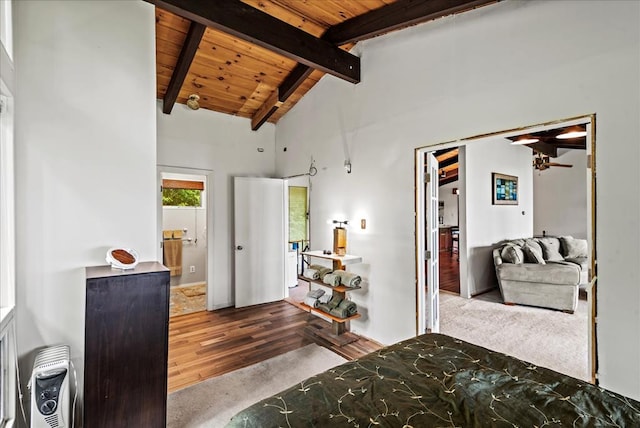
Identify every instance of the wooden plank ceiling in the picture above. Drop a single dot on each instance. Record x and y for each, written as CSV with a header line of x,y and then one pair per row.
x,y
258,58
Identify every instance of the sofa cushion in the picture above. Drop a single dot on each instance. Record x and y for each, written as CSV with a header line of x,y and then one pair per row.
x,y
551,249
583,262
572,247
552,273
518,242
533,252
512,254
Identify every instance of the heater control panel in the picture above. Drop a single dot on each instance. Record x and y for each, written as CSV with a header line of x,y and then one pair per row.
x,y
47,391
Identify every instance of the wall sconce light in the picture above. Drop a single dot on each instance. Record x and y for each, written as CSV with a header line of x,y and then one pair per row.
x,y
347,166
340,237
456,191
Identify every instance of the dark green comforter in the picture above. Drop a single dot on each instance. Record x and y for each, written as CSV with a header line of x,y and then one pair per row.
x,y
438,381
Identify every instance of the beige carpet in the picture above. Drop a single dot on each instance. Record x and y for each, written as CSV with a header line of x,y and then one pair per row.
x,y
547,338
213,402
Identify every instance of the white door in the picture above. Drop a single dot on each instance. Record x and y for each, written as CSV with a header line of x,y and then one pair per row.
x,y
432,236
260,240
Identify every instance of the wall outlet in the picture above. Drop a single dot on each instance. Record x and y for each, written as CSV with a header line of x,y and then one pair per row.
x,y
192,269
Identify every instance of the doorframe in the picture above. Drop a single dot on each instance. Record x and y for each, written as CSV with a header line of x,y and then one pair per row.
x,y
420,222
209,191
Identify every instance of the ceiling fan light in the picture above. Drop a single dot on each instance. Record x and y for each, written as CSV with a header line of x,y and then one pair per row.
x,y
574,132
192,102
525,139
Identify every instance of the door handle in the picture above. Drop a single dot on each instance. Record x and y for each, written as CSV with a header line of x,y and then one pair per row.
x,y
239,247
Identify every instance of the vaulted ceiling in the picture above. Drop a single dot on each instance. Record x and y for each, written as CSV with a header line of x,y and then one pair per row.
x,y
258,58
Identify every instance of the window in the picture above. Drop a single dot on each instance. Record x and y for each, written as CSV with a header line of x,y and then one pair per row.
x,y
182,193
297,214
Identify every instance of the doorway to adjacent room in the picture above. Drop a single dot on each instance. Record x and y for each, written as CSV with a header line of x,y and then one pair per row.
x,y
184,238
480,219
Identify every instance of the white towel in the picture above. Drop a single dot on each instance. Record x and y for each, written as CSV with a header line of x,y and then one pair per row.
x,y
311,301
311,274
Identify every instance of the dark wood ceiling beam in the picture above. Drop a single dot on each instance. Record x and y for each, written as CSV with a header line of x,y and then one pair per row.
x,y
295,78
387,18
450,178
402,13
188,52
578,144
447,162
257,27
544,148
265,111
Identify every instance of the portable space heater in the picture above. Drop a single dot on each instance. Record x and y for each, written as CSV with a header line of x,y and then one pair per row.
x,y
49,386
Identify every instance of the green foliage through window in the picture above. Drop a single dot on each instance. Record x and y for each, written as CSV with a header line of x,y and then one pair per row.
x,y
297,213
181,197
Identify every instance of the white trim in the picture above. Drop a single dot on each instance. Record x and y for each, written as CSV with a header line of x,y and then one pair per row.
x,y
421,247
209,175
7,198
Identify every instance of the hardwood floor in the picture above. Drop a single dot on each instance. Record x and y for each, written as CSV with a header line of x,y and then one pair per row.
x,y
449,272
208,344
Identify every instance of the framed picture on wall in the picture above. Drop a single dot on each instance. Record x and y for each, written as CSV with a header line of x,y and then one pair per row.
x,y
505,189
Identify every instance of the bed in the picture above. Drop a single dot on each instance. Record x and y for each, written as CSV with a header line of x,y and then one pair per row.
x,y
439,381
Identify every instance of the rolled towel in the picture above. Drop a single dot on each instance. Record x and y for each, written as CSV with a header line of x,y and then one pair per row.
x,y
340,313
348,279
324,307
311,301
331,279
324,299
322,270
334,302
348,306
311,274
317,267
317,293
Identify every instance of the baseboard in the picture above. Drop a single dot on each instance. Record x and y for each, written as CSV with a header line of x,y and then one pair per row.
x,y
484,291
222,306
190,284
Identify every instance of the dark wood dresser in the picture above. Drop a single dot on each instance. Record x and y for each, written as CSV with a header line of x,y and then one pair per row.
x,y
126,343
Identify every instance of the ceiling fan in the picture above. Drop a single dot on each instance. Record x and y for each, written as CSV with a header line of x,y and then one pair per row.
x,y
541,162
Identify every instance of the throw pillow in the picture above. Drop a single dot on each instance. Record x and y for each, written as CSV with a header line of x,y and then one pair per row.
x,y
573,248
512,254
533,254
551,249
534,244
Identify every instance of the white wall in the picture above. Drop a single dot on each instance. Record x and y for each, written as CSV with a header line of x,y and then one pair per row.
x,y
463,76
85,156
225,144
560,196
446,195
488,224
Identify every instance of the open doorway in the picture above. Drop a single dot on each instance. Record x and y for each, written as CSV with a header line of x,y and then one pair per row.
x,y
481,219
448,219
183,221
298,194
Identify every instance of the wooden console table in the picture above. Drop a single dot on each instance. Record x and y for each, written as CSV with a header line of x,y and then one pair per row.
x,y
339,334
